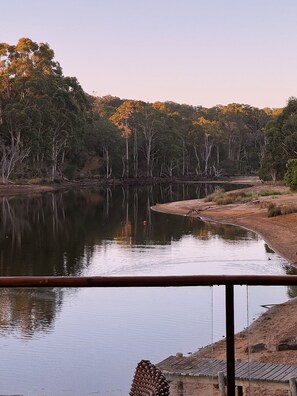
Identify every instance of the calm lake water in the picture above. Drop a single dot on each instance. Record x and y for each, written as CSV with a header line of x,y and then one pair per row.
x,y
89,341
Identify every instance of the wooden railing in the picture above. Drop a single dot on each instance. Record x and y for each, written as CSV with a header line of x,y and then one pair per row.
x,y
229,281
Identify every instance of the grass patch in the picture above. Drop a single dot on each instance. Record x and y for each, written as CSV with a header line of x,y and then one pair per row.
x,y
268,193
225,200
215,196
243,197
221,197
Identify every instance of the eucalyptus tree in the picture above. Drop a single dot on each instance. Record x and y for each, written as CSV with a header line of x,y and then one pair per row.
x,y
125,119
169,139
107,105
291,174
150,124
142,122
210,135
281,142
243,127
195,141
178,122
41,110
273,161
233,120
103,139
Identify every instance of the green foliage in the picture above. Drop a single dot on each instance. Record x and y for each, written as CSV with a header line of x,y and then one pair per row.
x,y
43,113
50,127
215,196
103,139
281,136
274,210
289,209
291,174
268,193
223,198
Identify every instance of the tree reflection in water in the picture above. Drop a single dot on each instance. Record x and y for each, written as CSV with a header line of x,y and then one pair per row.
x,y
25,312
56,234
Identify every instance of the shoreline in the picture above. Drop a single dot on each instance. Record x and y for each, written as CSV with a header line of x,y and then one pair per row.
x,y
271,337
29,187
263,339
278,232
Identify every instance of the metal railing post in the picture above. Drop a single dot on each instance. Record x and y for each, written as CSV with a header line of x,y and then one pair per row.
x,y
230,350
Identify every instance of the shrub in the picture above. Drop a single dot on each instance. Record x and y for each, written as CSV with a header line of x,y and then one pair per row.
x,y
215,196
268,193
222,198
225,200
274,210
289,210
291,174
243,197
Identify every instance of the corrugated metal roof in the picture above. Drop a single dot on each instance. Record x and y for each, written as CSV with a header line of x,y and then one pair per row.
x,y
201,367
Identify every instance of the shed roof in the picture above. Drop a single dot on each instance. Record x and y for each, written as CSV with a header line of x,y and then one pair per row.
x,y
201,367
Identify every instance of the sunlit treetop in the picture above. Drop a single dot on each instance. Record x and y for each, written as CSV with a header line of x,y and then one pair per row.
x,y
27,57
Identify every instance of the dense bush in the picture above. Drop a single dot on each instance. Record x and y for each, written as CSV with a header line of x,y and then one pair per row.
x,y
274,210
291,174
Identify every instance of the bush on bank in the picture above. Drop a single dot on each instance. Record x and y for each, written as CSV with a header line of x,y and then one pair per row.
x,y
291,174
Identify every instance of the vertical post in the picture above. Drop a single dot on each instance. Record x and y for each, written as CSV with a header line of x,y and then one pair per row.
x,y
222,383
293,387
230,350
180,388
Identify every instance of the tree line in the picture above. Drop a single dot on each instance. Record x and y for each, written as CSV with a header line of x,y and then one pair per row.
x,y
50,128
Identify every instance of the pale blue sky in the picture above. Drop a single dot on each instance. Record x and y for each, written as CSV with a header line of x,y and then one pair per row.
x,y
200,52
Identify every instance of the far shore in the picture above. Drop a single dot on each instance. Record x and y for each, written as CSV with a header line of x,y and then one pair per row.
x,y
28,187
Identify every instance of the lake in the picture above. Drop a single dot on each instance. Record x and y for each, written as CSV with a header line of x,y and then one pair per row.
x,y
89,341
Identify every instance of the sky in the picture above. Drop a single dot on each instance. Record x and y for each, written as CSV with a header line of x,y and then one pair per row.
x,y
198,52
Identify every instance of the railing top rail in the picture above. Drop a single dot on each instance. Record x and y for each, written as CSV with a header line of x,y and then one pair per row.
x,y
147,281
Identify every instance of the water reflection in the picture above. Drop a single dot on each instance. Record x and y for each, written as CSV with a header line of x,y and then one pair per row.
x,y
290,270
55,233
67,233
58,234
27,312
113,232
